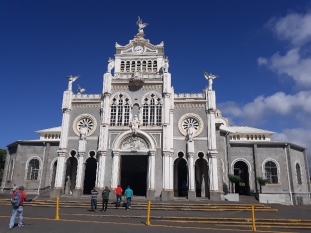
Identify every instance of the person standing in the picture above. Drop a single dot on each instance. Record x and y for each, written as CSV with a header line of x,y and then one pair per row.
x,y
18,209
105,196
118,192
94,194
128,194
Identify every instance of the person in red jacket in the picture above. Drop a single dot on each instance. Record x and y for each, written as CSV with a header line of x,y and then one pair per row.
x,y
19,209
118,192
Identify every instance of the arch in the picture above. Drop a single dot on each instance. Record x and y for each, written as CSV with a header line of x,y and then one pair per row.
x,y
277,167
89,174
116,145
180,175
53,168
250,177
200,152
35,168
202,183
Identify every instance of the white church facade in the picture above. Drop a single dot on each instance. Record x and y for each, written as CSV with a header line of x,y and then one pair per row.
x,y
139,132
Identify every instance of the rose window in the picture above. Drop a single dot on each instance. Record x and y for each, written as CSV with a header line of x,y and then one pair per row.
x,y
190,123
85,122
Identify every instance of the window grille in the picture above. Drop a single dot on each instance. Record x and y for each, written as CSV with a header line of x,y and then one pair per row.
x,y
33,169
271,172
120,110
298,172
113,113
152,111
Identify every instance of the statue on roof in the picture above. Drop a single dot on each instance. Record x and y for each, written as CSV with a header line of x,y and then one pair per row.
x,y
210,78
141,25
110,65
71,79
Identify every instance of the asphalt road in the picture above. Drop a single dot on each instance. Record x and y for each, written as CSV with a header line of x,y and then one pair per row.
x,y
42,219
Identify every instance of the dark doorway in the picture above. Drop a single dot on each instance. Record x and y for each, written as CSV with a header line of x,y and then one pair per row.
x,y
71,173
201,178
90,175
241,170
180,175
134,173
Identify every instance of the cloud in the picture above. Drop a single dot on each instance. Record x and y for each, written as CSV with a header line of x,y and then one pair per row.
x,y
294,27
257,111
298,136
291,64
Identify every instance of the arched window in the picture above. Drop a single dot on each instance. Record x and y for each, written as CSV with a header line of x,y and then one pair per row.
x,y
122,66
152,109
298,172
120,110
155,66
33,170
138,65
271,172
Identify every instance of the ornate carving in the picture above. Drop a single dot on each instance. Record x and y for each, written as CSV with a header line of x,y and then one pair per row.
x,y
134,124
141,27
71,79
134,143
189,105
110,65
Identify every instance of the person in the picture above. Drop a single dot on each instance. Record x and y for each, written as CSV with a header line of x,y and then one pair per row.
x,y
118,192
94,194
184,188
105,196
18,210
128,194
14,187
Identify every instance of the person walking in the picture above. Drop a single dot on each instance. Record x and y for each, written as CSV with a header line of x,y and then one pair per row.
x,y
94,194
18,208
105,196
118,192
128,194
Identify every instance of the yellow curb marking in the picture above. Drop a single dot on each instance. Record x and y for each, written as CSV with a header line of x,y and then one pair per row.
x,y
139,224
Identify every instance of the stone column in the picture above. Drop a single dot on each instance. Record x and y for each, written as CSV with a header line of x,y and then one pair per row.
x,y
213,174
115,169
167,192
151,176
101,170
191,182
59,176
78,191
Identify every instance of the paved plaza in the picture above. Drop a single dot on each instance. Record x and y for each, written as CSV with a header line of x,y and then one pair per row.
x,y
79,219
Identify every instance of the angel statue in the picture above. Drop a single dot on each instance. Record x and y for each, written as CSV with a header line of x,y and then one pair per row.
x,y
141,25
80,90
110,65
134,124
210,78
71,79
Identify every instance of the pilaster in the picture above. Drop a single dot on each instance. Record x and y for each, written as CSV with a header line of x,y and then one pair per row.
x,y
115,169
101,156
59,176
77,192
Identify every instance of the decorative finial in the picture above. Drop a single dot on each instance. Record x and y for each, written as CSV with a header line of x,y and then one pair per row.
x,y
210,78
71,79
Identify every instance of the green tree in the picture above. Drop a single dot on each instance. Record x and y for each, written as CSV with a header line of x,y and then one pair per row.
x,y
262,182
233,179
2,162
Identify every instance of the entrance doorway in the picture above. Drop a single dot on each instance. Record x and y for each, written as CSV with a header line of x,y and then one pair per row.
x,y
90,174
201,177
180,175
71,173
241,170
134,173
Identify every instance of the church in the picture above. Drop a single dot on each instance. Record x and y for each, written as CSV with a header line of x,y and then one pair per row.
x,y
138,132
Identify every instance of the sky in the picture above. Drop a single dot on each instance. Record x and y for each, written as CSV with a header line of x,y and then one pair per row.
x,y
260,50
